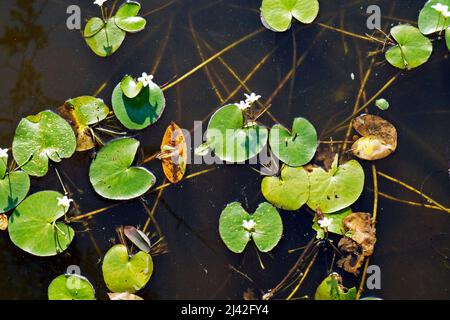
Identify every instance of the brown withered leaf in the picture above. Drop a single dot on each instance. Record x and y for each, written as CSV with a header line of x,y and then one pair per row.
x,y
85,140
358,243
3,222
174,153
379,137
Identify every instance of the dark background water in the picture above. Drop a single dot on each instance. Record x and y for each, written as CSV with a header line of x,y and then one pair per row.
x,y
43,63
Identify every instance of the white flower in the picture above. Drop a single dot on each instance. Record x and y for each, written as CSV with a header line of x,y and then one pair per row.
x,y
446,14
440,8
249,225
325,222
146,79
65,202
99,2
243,105
252,98
3,153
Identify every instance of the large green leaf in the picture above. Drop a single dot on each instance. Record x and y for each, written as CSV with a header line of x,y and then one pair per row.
x,y
141,111
71,287
33,226
430,20
337,224
126,17
267,231
42,137
230,139
123,273
288,192
111,173
105,41
277,14
14,187
412,50
334,190
331,289
295,148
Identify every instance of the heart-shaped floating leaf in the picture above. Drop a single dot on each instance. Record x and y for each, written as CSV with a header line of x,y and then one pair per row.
x,y
126,17
288,192
431,20
231,139
413,48
14,187
123,273
237,227
294,148
174,153
336,189
277,14
332,289
81,112
42,137
71,287
107,40
141,111
130,87
111,173
337,223
33,227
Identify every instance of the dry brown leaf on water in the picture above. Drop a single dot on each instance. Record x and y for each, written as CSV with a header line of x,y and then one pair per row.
x,y
85,140
123,296
174,153
379,137
358,243
3,222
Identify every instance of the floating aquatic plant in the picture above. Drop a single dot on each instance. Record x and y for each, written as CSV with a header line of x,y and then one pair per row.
x,y
434,17
296,147
382,104
33,225
412,49
237,227
112,175
40,138
140,107
277,14
71,287
335,223
125,273
336,189
82,112
14,186
290,191
105,35
332,289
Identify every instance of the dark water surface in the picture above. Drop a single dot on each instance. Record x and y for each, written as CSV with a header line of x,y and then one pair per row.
x,y
43,63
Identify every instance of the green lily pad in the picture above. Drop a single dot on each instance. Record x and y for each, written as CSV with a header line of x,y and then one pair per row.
x,y
111,173
130,87
278,14
231,139
336,189
382,104
413,48
123,273
141,111
126,17
430,20
14,187
331,289
105,41
93,26
266,232
288,192
33,227
295,148
71,287
337,224
42,137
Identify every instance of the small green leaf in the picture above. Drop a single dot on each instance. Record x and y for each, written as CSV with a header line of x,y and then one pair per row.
x,y
107,40
130,87
288,192
295,148
111,173
337,224
33,227
88,110
447,38
266,232
331,289
123,273
3,165
382,104
413,48
126,17
93,26
71,287
278,14
430,20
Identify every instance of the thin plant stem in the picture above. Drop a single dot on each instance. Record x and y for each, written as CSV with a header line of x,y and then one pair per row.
x,y
302,279
411,203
